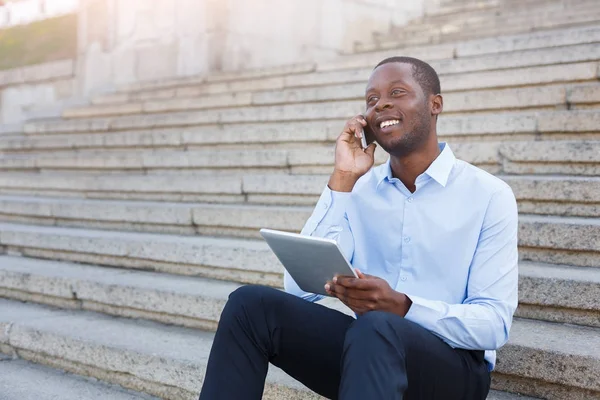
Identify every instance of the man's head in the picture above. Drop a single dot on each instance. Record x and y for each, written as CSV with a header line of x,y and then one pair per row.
x,y
403,101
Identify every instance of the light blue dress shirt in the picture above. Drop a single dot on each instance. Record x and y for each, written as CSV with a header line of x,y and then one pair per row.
x,y
451,246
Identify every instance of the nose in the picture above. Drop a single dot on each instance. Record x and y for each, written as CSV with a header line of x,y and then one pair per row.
x,y
383,104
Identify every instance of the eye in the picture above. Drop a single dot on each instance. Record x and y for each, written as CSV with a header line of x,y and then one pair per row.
x,y
397,92
372,99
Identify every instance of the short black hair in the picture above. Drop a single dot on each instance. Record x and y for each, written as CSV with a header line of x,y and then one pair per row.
x,y
423,73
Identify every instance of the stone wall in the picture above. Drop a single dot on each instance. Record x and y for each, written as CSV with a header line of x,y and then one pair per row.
x,y
135,40
35,91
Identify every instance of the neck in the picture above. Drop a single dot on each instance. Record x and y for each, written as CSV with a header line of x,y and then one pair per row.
x,y
409,167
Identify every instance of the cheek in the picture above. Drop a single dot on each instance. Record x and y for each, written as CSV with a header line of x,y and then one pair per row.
x,y
370,117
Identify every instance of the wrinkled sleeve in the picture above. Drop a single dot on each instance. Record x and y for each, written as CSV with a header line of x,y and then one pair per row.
x,y
483,320
328,220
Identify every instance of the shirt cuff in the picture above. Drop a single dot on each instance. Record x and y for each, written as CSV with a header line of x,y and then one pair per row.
x,y
423,312
329,210
336,209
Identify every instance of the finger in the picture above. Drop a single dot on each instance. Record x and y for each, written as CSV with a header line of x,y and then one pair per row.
x,y
358,306
360,118
370,150
354,127
338,292
347,294
356,283
359,273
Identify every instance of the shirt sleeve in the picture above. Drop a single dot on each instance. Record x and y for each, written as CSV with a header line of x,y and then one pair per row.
x,y
328,220
483,320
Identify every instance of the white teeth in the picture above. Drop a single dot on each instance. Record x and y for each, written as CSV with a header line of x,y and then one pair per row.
x,y
389,123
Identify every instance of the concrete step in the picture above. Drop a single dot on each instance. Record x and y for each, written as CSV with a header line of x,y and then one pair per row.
x,y
536,97
239,260
546,292
485,79
559,293
501,44
217,76
23,380
531,40
289,113
123,104
308,159
453,31
548,53
526,16
559,195
550,157
450,10
556,195
165,361
549,125
551,361
165,187
547,195
431,53
185,301
225,79
539,157
555,240
560,240
152,217
469,45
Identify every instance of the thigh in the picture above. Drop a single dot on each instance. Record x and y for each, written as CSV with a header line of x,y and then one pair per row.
x,y
307,339
437,371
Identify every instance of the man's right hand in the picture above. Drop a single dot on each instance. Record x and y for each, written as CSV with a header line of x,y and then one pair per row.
x,y
351,161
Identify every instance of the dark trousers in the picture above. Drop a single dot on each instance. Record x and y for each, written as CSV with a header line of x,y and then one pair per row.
x,y
377,356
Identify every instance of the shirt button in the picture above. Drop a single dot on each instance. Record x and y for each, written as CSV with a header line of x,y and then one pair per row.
x,y
403,279
410,199
325,205
407,239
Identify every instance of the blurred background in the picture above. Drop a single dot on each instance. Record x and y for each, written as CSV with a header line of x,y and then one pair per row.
x,y
143,143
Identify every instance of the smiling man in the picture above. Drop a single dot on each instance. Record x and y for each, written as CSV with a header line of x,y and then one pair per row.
x,y
434,242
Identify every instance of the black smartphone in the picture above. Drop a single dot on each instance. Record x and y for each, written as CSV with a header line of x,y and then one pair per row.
x,y
367,137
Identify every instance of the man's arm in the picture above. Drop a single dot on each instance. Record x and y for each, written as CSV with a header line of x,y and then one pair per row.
x,y
328,220
484,319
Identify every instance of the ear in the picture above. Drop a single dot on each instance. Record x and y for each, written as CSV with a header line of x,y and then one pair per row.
x,y
437,104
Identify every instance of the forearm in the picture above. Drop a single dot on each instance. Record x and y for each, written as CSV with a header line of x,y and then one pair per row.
x,y
475,326
342,181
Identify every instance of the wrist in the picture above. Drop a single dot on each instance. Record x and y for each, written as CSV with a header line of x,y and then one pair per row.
x,y
341,181
402,304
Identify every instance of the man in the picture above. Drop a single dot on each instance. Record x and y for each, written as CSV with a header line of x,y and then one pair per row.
x,y
434,242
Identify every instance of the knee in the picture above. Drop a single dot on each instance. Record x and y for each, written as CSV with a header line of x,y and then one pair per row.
x,y
248,298
374,325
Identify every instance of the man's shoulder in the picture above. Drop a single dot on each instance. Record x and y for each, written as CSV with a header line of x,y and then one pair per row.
x,y
480,179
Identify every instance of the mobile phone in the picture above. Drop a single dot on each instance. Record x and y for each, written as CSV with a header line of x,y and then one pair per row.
x,y
367,137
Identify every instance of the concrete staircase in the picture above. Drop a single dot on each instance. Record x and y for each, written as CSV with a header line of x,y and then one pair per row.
x,y
126,223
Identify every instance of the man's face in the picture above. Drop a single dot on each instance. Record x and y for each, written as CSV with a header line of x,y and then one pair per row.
x,y
398,112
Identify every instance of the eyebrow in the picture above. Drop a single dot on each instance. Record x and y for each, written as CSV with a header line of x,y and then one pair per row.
x,y
391,83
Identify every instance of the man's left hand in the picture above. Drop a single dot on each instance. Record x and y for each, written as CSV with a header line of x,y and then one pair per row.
x,y
368,293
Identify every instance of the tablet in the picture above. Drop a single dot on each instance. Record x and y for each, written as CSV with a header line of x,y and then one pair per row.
x,y
311,261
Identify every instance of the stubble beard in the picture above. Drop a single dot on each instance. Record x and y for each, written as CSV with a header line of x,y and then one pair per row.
x,y
411,141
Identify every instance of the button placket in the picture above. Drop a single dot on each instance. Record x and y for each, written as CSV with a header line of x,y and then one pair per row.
x,y
406,249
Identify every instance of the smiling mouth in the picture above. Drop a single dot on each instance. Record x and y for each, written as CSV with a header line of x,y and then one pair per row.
x,y
391,122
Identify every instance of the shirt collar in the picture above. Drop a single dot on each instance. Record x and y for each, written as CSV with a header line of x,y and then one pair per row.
x,y
439,170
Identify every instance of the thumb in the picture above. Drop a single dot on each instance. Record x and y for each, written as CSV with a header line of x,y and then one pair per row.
x,y
370,150
359,273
